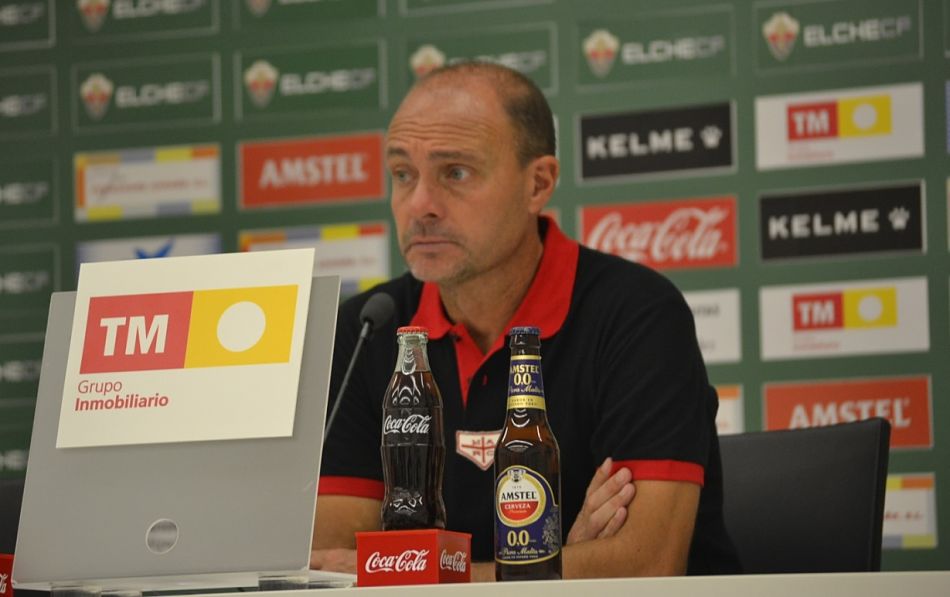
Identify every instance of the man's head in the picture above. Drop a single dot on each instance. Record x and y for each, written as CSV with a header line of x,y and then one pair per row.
x,y
470,151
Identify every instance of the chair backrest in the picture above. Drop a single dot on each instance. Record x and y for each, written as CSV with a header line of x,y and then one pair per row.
x,y
11,498
807,500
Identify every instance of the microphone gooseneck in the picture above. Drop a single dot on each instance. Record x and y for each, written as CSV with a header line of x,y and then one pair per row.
x,y
377,311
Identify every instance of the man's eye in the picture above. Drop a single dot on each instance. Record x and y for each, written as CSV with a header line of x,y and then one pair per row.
x,y
401,176
458,173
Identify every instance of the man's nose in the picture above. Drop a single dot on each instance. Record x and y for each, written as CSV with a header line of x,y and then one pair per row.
x,y
425,200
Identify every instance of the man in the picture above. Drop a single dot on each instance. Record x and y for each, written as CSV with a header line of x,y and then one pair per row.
x,y
470,152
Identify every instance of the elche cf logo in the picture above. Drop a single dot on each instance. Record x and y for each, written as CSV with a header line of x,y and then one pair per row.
x,y
425,60
781,32
93,13
258,8
260,80
96,93
601,48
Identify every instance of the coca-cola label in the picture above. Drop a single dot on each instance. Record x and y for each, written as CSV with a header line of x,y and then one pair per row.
x,y
415,424
410,560
527,517
456,562
688,233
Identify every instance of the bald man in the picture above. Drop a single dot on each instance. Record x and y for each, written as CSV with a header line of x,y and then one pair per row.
x,y
471,156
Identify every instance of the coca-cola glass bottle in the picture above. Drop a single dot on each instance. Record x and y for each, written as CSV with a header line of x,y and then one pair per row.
x,y
412,446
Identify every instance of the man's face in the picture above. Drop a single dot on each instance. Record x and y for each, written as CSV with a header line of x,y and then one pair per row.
x,y
459,195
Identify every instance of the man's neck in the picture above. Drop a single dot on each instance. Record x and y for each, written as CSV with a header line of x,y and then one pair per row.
x,y
485,304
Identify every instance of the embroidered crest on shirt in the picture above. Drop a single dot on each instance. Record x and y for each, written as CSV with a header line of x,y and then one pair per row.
x,y
477,446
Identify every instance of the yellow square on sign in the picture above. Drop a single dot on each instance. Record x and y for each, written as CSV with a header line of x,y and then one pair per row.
x,y
241,326
870,307
864,116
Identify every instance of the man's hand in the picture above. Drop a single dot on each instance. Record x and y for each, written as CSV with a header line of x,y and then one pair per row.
x,y
334,560
605,507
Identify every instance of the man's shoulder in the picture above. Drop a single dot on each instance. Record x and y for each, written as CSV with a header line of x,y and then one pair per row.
x,y
610,279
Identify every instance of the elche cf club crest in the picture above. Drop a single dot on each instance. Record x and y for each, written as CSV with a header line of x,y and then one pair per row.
x,y
781,32
260,79
601,48
93,13
425,60
96,93
258,7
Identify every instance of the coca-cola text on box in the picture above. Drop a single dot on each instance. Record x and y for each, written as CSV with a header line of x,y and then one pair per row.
x,y
687,233
425,556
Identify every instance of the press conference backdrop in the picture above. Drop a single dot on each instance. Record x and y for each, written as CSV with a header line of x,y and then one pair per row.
x,y
785,162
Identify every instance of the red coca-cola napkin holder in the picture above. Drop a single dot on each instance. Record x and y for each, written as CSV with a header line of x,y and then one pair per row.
x,y
6,575
421,557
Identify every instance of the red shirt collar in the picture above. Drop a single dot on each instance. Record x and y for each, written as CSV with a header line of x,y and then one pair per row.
x,y
546,304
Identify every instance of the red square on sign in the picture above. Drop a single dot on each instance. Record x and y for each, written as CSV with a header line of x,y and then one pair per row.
x,y
426,556
817,311
140,332
812,121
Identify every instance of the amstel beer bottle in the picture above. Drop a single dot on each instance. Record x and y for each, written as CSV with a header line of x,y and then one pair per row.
x,y
527,473
412,446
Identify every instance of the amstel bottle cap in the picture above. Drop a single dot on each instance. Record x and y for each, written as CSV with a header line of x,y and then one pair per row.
x,y
525,330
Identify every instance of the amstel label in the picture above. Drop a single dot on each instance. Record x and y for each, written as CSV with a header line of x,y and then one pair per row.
x,y
525,389
527,517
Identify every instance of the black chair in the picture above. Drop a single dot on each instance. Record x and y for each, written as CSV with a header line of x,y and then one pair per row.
x,y
11,497
807,500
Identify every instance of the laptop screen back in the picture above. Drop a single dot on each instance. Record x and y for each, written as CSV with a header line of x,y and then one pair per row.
x,y
165,510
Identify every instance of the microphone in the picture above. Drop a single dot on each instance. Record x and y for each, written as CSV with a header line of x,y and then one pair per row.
x,y
377,311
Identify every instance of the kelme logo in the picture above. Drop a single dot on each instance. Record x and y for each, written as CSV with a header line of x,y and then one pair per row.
x,y
781,32
258,7
425,60
96,92
260,79
93,13
601,48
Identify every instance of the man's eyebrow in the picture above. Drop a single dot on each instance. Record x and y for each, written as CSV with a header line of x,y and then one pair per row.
x,y
437,155
396,152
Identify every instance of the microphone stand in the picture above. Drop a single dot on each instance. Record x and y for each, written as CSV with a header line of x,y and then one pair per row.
x,y
364,334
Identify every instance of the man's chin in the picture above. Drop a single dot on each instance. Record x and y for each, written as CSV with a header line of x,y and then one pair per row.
x,y
436,273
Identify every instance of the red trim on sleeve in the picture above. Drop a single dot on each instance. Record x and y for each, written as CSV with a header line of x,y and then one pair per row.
x,y
351,486
662,470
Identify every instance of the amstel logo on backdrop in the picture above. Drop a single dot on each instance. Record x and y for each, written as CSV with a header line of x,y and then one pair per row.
x,y
311,170
665,234
904,401
181,330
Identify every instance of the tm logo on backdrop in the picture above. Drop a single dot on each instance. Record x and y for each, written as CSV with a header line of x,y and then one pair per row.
x,y
839,126
822,34
844,318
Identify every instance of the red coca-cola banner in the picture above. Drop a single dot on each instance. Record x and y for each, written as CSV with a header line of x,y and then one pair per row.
x,y
685,233
428,556
6,575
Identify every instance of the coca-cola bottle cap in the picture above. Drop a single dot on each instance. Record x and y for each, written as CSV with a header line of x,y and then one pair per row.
x,y
413,329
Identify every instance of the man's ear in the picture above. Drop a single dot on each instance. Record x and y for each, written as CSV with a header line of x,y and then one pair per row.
x,y
542,180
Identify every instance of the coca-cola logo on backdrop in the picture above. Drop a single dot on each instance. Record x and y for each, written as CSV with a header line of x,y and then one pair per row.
x,y
689,233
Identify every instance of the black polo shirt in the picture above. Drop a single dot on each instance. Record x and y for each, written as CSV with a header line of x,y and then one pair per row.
x,y
623,377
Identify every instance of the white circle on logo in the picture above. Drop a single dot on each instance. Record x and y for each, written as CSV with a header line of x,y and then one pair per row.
x,y
870,308
864,116
241,326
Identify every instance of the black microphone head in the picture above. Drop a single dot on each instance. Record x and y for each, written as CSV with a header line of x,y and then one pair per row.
x,y
378,310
